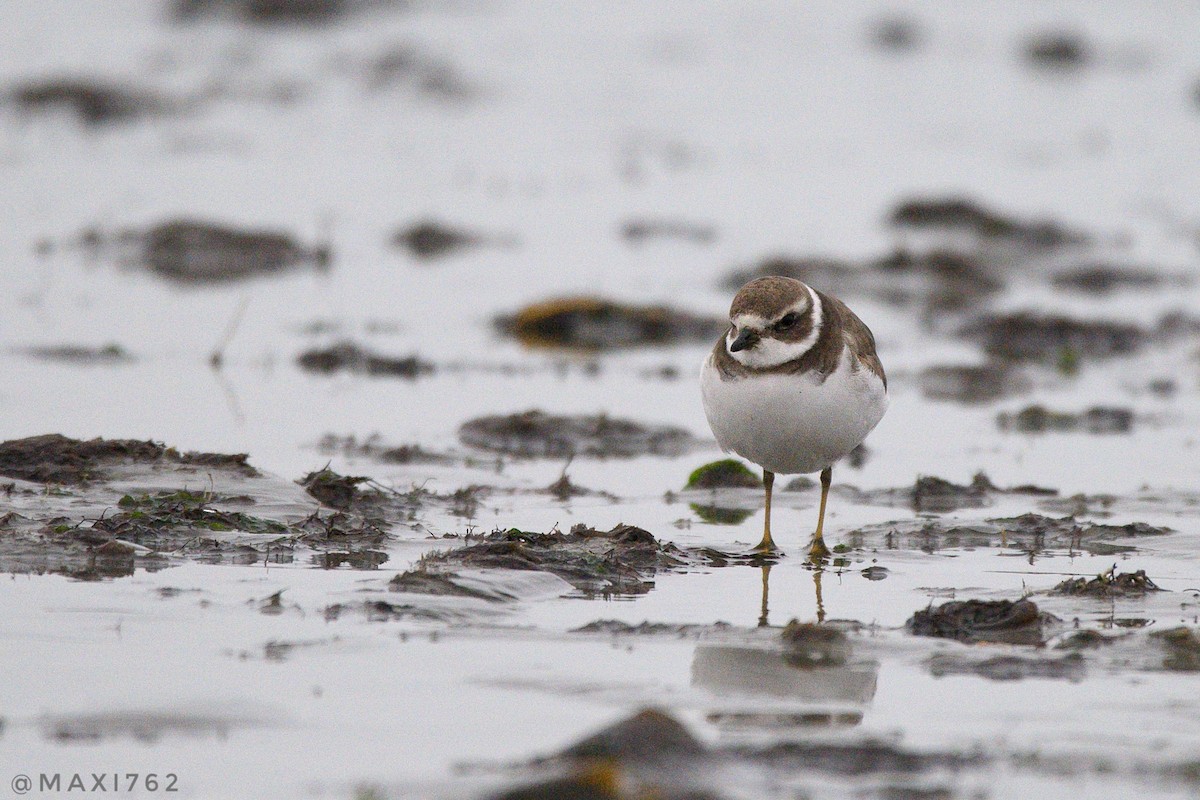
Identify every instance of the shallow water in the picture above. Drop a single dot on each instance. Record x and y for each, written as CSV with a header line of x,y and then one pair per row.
x,y
783,128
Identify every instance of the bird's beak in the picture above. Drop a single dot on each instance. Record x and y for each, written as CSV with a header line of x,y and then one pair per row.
x,y
745,339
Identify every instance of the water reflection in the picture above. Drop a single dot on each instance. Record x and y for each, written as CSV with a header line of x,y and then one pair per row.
x,y
764,610
812,682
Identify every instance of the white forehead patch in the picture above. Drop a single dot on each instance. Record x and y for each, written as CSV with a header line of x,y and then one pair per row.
x,y
771,352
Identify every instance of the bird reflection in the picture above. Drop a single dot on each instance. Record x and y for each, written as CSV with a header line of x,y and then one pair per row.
x,y
764,611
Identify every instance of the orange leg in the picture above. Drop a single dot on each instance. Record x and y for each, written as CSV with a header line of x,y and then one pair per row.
x,y
767,545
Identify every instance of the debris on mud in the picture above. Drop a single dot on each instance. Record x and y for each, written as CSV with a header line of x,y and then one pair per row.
x,y
1005,621
1108,585
350,357
641,231
1039,419
959,214
622,561
335,491
94,102
429,239
1009,667
1057,50
973,383
423,581
373,447
1026,336
592,323
1031,532
196,252
536,434
106,355
728,473
1183,649
53,458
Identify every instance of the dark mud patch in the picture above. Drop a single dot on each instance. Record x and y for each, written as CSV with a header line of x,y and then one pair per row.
x,y
961,214
332,489
933,495
536,434
374,448
622,561
643,231
895,35
1009,667
1108,585
430,239
1028,336
855,759
145,726
1058,51
53,458
973,384
1182,647
592,323
82,355
1004,621
807,645
411,68
1039,419
92,101
271,12
352,358
444,584
196,252
616,627
1104,279
1031,533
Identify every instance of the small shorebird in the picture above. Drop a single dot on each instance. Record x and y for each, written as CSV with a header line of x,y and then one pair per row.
x,y
793,385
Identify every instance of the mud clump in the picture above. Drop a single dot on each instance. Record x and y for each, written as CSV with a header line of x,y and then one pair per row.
x,y
972,384
536,434
621,561
334,490
374,448
1039,419
969,216
1025,336
422,581
158,519
195,252
939,495
1006,621
728,473
860,758
591,323
429,239
53,458
1183,649
895,34
1108,585
641,231
1057,50
349,357
92,101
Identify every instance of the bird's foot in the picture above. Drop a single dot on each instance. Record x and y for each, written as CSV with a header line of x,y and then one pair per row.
x,y
818,552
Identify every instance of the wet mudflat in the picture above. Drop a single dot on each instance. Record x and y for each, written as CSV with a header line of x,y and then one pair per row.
x,y
352,445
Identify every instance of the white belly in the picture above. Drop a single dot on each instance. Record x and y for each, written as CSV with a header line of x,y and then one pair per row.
x,y
793,423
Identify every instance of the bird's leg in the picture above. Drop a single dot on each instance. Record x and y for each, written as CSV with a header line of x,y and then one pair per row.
x,y
767,545
818,549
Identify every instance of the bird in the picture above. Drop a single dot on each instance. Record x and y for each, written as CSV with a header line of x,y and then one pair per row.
x,y
793,385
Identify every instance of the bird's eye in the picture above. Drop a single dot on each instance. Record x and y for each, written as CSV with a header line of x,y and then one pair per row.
x,y
787,321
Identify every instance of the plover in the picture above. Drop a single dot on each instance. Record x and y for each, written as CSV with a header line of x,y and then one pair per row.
x,y
793,385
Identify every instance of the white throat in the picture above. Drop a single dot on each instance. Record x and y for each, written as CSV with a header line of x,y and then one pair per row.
x,y
770,352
